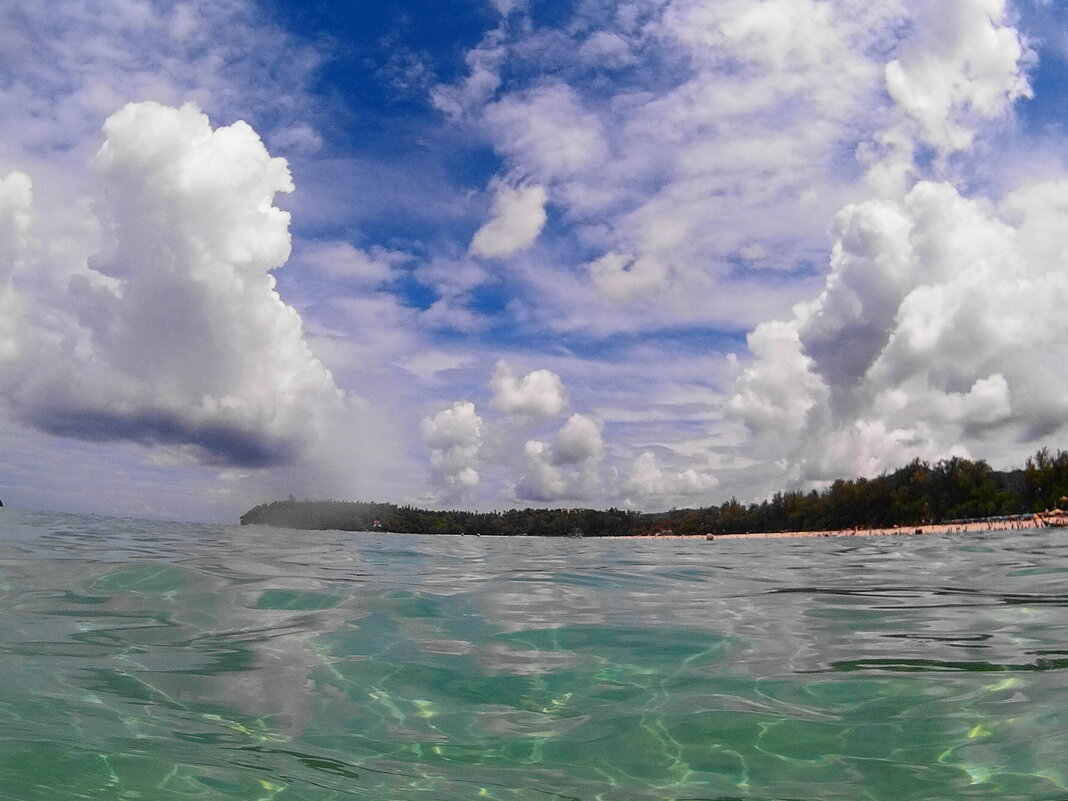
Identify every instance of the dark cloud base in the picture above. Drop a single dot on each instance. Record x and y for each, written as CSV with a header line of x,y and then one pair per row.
x,y
215,443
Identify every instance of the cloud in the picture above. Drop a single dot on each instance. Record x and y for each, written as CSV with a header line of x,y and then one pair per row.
x,y
916,347
607,50
646,479
518,217
506,7
731,127
542,481
298,138
483,79
67,66
735,132
16,217
343,260
538,394
428,364
622,277
567,469
578,441
173,334
962,67
454,437
451,277
777,393
940,332
547,130
694,151
447,313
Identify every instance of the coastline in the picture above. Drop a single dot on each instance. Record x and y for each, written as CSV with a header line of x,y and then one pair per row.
x,y
1055,519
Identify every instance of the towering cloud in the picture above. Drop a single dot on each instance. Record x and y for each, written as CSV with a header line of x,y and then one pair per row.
x,y
170,332
941,323
935,332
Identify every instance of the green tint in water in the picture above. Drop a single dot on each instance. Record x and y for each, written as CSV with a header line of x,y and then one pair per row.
x,y
166,662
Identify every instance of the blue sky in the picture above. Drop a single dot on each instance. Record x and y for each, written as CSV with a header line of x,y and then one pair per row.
x,y
643,253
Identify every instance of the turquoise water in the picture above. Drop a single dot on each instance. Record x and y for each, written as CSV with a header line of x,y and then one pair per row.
x,y
162,661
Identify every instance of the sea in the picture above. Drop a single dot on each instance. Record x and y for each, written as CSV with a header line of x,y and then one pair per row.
x,y
177,662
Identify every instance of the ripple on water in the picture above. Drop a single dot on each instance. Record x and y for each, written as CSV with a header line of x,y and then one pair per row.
x,y
163,661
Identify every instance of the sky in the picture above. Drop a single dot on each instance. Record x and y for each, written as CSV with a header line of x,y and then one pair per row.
x,y
495,253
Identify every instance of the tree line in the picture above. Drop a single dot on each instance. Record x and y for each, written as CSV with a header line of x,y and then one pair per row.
x,y
916,494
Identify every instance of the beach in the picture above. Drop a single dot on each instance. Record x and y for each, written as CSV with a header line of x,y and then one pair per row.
x,y
1054,519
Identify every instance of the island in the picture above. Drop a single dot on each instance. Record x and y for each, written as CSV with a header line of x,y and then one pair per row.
x,y
952,494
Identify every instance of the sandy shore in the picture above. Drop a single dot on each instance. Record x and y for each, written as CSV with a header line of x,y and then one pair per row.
x,y
993,524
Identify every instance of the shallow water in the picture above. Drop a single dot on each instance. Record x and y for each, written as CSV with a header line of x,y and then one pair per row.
x,y
163,661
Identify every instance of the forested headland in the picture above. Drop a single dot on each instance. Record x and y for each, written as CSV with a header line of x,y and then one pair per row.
x,y
919,493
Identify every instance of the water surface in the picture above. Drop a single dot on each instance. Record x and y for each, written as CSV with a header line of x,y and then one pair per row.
x,y
165,661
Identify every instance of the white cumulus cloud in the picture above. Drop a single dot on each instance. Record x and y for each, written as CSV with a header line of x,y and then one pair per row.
x,y
566,469
538,394
647,479
940,332
171,332
578,441
542,481
935,334
454,437
962,67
